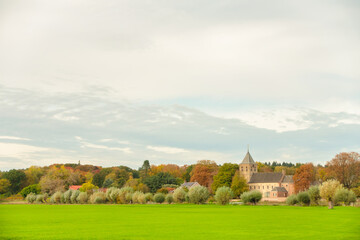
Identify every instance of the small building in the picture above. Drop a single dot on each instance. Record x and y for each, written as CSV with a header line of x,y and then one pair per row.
x,y
278,192
189,185
74,187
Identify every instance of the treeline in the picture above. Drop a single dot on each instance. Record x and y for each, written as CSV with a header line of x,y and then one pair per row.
x,y
344,167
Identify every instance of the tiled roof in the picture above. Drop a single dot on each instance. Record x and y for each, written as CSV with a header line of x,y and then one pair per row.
x,y
288,179
279,189
248,159
74,187
266,177
188,184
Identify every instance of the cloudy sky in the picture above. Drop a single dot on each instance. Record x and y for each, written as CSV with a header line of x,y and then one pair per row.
x,y
117,82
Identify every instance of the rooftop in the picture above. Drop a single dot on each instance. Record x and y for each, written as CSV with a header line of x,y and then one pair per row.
x,y
248,159
263,177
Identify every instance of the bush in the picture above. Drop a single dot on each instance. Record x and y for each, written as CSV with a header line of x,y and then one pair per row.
x,y
112,194
303,198
74,196
179,195
149,197
41,198
128,197
252,197
57,197
67,196
35,188
31,197
292,200
223,195
88,187
98,197
344,196
169,198
82,198
138,197
356,191
159,197
314,194
121,198
163,190
198,194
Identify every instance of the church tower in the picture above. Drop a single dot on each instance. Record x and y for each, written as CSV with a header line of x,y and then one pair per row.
x,y
248,166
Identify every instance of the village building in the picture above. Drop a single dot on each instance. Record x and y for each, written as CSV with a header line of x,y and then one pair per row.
x,y
274,186
189,185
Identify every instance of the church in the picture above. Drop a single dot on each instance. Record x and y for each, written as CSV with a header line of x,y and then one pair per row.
x,y
274,186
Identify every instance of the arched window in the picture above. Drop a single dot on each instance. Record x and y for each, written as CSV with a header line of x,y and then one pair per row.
x,y
246,169
242,169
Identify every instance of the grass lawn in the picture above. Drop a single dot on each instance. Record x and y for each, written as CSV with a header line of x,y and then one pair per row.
x,y
177,222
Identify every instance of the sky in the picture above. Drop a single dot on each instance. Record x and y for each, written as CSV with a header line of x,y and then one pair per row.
x,y
116,82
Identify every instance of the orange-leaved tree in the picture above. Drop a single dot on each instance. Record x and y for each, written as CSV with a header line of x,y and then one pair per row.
x,y
345,167
203,173
303,177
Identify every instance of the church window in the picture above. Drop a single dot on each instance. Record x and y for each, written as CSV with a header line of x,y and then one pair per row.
x,y
246,168
242,169
268,187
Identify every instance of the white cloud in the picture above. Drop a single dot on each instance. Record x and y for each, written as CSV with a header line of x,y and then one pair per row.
x,y
170,150
14,138
16,150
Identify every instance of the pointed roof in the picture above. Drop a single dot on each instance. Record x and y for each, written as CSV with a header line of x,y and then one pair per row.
x,y
248,159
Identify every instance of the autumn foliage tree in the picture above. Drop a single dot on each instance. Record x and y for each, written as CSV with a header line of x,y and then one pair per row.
x,y
203,173
345,167
224,176
304,176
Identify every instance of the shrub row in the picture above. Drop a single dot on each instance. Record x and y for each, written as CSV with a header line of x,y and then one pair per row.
x,y
126,195
312,196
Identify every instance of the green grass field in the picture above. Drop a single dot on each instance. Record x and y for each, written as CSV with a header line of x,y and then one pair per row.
x,y
177,222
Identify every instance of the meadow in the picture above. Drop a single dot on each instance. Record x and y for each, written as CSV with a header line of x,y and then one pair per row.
x,y
177,221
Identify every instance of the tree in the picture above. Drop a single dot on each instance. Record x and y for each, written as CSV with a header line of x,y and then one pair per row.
x,y
203,173
223,195
99,177
328,190
155,182
4,185
58,179
118,176
304,176
34,174
345,167
224,176
50,185
16,178
239,184
35,188
144,170
264,167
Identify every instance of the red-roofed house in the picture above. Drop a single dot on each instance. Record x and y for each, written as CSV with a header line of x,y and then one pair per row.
x,y
74,187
